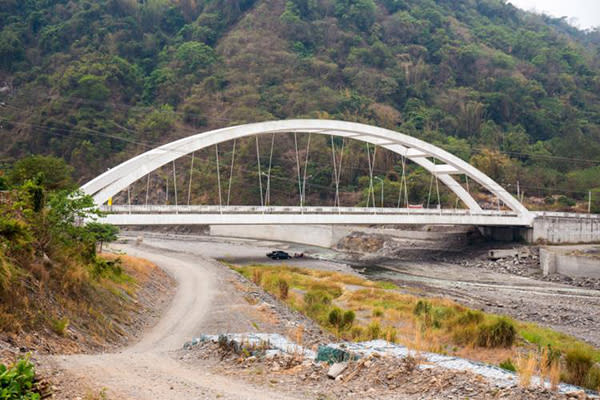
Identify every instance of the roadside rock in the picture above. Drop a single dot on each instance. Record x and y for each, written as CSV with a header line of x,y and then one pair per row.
x,y
372,377
337,369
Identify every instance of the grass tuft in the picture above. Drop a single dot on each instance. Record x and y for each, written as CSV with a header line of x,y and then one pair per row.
x,y
526,369
508,365
284,288
579,363
500,333
59,326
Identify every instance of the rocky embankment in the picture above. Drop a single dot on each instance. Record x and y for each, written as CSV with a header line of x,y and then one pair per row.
x,y
374,376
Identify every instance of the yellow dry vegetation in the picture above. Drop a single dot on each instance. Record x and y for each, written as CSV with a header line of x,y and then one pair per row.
x,y
383,310
94,302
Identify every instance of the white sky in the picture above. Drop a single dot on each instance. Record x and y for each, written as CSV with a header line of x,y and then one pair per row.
x,y
582,13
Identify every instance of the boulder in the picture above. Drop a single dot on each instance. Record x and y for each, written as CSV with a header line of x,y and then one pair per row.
x,y
337,369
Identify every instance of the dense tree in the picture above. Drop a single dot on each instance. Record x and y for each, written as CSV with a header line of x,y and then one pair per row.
x,y
102,233
357,13
51,172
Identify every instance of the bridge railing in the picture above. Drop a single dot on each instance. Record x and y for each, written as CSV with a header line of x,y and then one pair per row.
x,y
212,209
548,214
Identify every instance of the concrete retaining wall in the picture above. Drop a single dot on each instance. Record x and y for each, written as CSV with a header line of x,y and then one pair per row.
x,y
327,235
553,262
314,235
556,228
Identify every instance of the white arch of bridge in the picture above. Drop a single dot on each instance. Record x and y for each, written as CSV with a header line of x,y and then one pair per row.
x,y
120,177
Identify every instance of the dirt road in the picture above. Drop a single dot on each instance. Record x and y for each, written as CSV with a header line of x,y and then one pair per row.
x,y
207,300
150,369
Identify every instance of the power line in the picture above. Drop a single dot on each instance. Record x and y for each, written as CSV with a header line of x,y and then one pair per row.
x,y
480,149
93,132
148,145
57,131
547,189
127,107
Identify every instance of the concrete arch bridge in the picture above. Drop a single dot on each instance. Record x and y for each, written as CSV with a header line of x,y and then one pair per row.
x,y
440,163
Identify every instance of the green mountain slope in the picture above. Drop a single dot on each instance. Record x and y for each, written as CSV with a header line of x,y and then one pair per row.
x,y
98,81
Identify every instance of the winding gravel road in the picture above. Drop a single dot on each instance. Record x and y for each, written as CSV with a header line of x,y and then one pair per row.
x,y
150,369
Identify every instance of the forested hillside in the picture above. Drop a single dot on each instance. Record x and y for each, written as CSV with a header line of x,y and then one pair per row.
x,y
96,82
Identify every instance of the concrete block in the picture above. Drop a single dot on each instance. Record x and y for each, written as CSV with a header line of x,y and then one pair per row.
x,y
337,369
498,254
547,261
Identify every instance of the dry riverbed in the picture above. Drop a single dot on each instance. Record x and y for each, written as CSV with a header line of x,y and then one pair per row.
x,y
212,299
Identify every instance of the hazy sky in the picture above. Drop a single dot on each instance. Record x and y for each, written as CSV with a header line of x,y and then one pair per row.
x,y
585,12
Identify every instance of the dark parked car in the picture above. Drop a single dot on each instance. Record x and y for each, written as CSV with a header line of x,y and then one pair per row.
x,y
278,255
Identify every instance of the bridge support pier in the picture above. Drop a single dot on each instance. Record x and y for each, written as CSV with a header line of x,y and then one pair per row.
x,y
507,233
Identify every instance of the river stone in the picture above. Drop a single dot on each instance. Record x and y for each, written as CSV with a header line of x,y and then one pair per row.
x,y
336,369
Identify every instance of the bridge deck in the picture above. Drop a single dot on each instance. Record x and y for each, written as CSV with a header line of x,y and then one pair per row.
x,y
257,215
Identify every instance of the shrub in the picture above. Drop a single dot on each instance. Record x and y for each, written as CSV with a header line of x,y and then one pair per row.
x,y
422,307
59,326
378,313
357,332
552,355
313,297
508,365
592,380
335,317
348,319
16,382
373,331
464,335
566,201
470,317
284,288
500,333
110,269
578,362
438,315
432,316
390,334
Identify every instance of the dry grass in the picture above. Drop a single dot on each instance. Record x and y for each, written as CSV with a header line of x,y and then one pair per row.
x,y
554,375
257,276
297,335
140,268
418,343
422,324
68,298
544,366
526,369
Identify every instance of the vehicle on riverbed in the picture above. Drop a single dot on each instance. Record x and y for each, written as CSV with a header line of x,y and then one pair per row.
x,y
278,255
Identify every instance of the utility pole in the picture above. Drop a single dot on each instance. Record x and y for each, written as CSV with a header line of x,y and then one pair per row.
x,y
518,190
590,202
